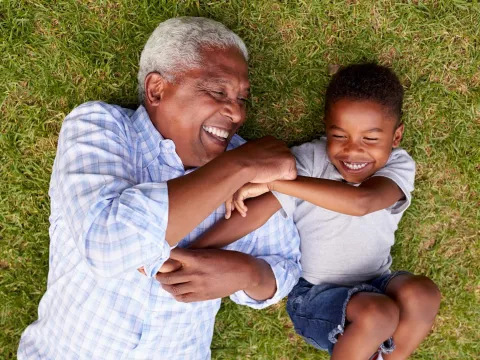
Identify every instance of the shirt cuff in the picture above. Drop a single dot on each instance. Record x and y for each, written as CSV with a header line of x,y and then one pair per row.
x,y
144,208
285,277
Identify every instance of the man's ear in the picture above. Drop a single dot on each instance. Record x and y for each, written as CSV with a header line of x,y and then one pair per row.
x,y
154,88
397,136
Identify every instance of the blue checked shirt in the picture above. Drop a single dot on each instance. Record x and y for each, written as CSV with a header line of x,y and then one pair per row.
x,y
109,211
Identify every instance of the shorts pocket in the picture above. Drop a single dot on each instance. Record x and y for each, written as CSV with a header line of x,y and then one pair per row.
x,y
314,331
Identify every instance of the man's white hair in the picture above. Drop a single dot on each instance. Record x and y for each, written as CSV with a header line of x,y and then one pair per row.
x,y
176,44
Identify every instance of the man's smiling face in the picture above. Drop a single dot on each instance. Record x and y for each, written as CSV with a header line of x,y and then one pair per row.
x,y
360,138
203,108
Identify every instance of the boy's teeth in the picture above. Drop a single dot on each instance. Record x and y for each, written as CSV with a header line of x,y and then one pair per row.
x,y
216,131
355,166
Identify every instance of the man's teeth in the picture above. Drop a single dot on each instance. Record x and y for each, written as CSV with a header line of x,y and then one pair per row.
x,y
355,166
216,131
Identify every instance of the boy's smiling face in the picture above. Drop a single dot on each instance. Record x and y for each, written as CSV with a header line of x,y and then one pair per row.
x,y
360,137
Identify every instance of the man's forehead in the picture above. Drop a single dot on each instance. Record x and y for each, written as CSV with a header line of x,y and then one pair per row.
x,y
228,60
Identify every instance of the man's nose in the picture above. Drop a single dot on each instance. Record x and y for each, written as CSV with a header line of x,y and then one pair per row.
x,y
234,110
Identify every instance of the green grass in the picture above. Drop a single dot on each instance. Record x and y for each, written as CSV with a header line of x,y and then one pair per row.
x,y
55,55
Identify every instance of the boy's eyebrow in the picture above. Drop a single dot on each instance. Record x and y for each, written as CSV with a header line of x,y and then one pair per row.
x,y
374,130
335,127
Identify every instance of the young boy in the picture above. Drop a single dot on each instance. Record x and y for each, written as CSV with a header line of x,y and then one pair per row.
x,y
347,201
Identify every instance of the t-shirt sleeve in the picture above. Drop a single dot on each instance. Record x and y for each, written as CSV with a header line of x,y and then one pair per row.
x,y
304,156
400,168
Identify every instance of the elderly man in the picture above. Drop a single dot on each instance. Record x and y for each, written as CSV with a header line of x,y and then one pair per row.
x,y
129,186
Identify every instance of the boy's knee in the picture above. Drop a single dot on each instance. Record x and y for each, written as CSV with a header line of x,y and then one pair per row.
x,y
421,296
380,315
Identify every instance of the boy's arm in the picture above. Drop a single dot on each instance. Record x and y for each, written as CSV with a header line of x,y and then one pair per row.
x,y
225,232
374,194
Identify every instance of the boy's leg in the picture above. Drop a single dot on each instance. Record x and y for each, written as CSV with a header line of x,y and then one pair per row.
x,y
418,299
372,319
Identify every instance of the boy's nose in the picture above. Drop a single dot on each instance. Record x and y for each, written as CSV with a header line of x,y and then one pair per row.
x,y
352,147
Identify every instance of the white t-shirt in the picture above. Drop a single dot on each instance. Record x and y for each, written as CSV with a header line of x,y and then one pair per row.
x,y
344,249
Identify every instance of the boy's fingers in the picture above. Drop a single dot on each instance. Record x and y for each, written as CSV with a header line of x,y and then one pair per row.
x,y
142,270
228,208
239,202
241,208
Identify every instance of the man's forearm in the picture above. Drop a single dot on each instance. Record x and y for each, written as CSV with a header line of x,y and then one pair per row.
x,y
195,196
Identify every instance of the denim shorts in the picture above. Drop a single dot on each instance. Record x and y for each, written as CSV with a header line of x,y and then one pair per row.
x,y
318,312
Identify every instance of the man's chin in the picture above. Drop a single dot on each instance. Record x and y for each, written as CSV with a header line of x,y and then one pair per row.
x,y
210,155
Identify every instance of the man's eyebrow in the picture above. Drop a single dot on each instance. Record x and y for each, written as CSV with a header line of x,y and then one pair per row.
x,y
215,80
335,127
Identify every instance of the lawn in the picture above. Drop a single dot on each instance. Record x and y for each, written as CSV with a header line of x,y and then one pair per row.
x,y
55,55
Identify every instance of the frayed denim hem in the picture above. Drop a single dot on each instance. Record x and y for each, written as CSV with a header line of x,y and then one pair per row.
x,y
387,347
384,284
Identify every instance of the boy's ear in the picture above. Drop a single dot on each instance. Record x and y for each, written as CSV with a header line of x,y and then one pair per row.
x,y
154,88
397,136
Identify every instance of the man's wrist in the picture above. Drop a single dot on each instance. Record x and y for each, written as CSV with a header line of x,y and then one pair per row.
x,y
241,166
262,283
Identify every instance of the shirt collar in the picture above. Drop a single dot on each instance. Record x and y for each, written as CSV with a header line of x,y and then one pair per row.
x,y
152,144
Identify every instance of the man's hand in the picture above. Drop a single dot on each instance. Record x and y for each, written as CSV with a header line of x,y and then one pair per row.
x,y
269,158
210,274
245,192
168,266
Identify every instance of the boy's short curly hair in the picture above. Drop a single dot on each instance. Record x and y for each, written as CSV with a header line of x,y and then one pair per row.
x,y
367,81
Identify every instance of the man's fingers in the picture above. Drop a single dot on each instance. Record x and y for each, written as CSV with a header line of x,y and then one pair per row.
x,y
170,265
172,278
192,297
178,289
291,174
182,255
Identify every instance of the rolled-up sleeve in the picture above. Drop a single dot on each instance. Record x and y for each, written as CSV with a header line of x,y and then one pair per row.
x,y
278,243
117,224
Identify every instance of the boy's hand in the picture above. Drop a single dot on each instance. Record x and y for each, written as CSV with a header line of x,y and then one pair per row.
x,y
245,192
